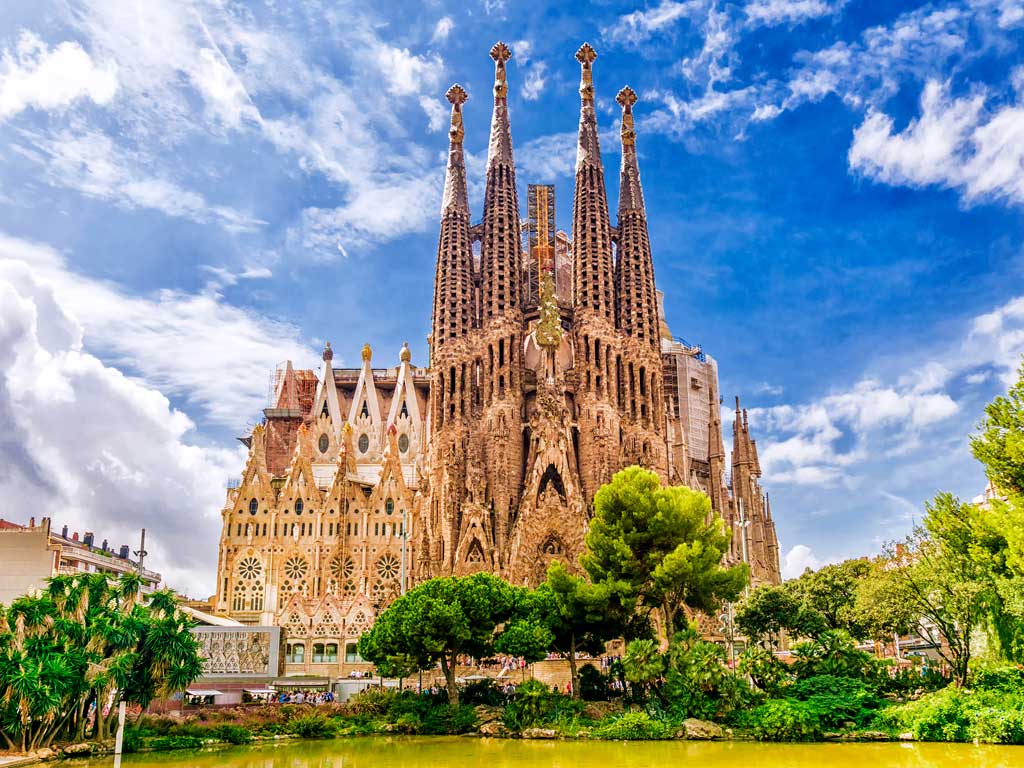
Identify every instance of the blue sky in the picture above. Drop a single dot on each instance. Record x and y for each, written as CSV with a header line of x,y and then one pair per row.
x,y
192,192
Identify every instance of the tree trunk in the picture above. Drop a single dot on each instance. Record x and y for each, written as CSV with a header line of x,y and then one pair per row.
x,y
449,676
574,675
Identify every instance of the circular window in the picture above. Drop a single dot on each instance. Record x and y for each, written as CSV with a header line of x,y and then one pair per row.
x,y
387,567
403,442
250,568
324,444
342,568
364,443
295,568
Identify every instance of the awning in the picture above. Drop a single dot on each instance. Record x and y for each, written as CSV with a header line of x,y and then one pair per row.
x,y
302,682
259,691
200,692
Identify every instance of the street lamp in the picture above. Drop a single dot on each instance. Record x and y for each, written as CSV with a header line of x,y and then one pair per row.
x,y
743,524
405,536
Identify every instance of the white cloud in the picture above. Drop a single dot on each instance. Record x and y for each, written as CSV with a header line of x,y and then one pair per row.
x,y
639,26
97,450
34,76
437,115
953,143
767,388
799,559
442,29
547,158
193,346
533,84
772,12
92,164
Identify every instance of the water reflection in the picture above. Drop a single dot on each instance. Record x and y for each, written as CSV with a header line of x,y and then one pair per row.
x,y
456,752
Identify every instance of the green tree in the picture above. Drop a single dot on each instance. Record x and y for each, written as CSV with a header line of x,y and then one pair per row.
x,y
665,545
579,616
440,620
1000,443
768,610
831,594
938,571
88,641
884,607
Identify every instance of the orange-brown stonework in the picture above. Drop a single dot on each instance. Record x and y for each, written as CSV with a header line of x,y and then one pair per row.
x,y
490,458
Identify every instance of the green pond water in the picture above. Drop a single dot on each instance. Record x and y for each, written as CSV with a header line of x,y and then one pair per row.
x,y
456,752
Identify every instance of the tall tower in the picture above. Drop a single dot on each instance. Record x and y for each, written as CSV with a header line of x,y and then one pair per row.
x,y
600,367
452,351
498,441
636,305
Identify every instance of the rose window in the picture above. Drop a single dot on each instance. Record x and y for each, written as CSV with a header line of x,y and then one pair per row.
x,y
342,568
388,567
295,568
250,568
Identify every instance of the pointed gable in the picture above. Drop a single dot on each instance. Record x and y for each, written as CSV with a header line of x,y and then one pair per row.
x,y
326,400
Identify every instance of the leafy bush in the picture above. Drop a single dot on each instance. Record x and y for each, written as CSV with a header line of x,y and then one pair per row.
x,y
832,653
954,714
768,673
481,692
837,700
234,734
784,720
997,676
132,741
593,684
312,726
167,743
634,726
446,719
372,701
535,704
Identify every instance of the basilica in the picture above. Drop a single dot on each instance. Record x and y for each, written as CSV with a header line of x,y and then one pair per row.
x,y
551,367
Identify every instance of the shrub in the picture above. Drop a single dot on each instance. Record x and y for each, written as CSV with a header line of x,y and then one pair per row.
x,y
768,673
634,726
167,743
997,676
837,700
132,740
954,714
784,720
312,726
593,685
481,692
532,704
234,734
372,701
445,719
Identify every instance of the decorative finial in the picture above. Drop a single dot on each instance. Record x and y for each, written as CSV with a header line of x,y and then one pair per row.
x,y
328,352
500,53
406,354
367,353
586,54
626,98
457,95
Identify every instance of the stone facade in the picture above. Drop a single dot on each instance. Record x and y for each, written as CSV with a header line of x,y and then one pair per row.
x,y
362,481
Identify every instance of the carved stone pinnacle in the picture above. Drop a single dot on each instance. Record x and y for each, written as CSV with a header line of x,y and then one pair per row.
x,y
626,97
457,94
501,52
586,54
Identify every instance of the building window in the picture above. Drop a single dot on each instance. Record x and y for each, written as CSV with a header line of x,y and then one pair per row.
x,y
318,653
364,443
389,507
352,654
324,443
298,507
388,567
364,411
295,653
253,506
331,653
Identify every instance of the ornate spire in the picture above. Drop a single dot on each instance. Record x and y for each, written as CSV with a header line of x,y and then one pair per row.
x,y
591,230
636,298
500,149
589,150
452,281
500,242
455,195
631,196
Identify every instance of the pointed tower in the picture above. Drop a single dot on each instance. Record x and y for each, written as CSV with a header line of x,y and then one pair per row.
x,y
500,248
591,229
636,301
452,281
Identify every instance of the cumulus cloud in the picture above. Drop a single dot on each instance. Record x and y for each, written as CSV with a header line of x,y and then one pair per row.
x,y
799,559
97,450
190,345
35,76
